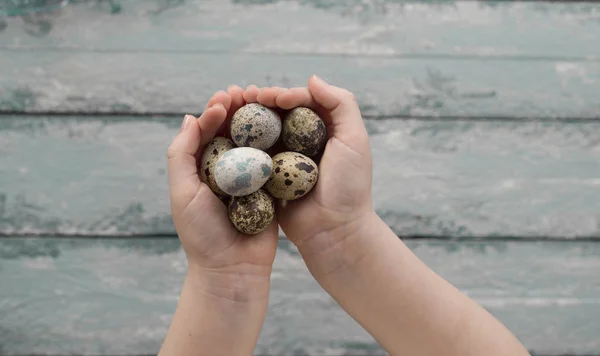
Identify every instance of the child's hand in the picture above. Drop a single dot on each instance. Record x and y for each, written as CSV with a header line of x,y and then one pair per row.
x,y
229,263
324,223
361,263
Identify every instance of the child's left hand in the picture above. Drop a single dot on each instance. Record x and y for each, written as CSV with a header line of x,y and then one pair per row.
x,y
229,263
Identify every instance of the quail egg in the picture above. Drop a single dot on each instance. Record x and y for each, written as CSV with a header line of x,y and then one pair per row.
x,y
252,213
304,132
256,126
211,154
293,176
242,171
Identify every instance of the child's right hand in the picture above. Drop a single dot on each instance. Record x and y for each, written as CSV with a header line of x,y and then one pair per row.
x,y
324,225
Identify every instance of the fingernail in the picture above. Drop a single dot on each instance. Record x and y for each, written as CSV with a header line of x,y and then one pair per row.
x,y
218,105
319,80
186,121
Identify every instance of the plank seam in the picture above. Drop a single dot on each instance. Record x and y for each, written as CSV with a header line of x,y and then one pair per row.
x,y
348,55
51,114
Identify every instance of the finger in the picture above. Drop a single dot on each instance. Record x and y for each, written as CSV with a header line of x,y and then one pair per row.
x,y
339,102
251,93
182,154
301,97
344,114
237,101
295,97
268,96
183,175
223,98
210,121
219,97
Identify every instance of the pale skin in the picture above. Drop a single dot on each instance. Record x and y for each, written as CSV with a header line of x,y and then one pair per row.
x,y
349,250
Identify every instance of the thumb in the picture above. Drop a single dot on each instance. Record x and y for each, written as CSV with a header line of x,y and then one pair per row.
x,y
345,119
183,177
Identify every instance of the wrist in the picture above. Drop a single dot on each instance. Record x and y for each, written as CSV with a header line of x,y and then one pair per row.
x,y
218,313
238,284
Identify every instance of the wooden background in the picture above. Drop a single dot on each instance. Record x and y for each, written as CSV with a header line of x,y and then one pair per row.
x,y
484,119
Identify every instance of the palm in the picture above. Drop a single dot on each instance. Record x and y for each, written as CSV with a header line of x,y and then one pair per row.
x,y
207,233
343,186
201,218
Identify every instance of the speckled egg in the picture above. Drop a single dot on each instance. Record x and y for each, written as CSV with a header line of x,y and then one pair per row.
x,y
242,171
255,125
252,213
304,132
210,156
293,176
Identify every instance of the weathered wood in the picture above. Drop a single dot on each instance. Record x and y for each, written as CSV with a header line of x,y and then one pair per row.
x,y
481,178
386,27
107,176
458,59
158,82
116,296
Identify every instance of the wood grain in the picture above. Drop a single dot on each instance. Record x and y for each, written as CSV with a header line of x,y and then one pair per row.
x,y
353,27
116,296
474,59
157,82
464,179
493,141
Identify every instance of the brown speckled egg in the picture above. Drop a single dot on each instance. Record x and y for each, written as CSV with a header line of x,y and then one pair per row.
x,y
256,126
210,156
304,132
252,213
293,176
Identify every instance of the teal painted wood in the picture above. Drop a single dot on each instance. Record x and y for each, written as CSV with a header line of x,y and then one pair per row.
x,y
167,82
456,59
116,296
385,27
468,179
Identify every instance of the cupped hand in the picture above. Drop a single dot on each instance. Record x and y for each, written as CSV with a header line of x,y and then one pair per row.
x,y
324,224
215,250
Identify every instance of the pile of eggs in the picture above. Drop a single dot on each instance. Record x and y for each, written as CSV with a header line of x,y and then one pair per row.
x,y
241,169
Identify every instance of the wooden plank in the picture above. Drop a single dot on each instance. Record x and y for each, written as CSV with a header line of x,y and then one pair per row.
x,y
386,27
159,82
116,296
466,58
468,179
